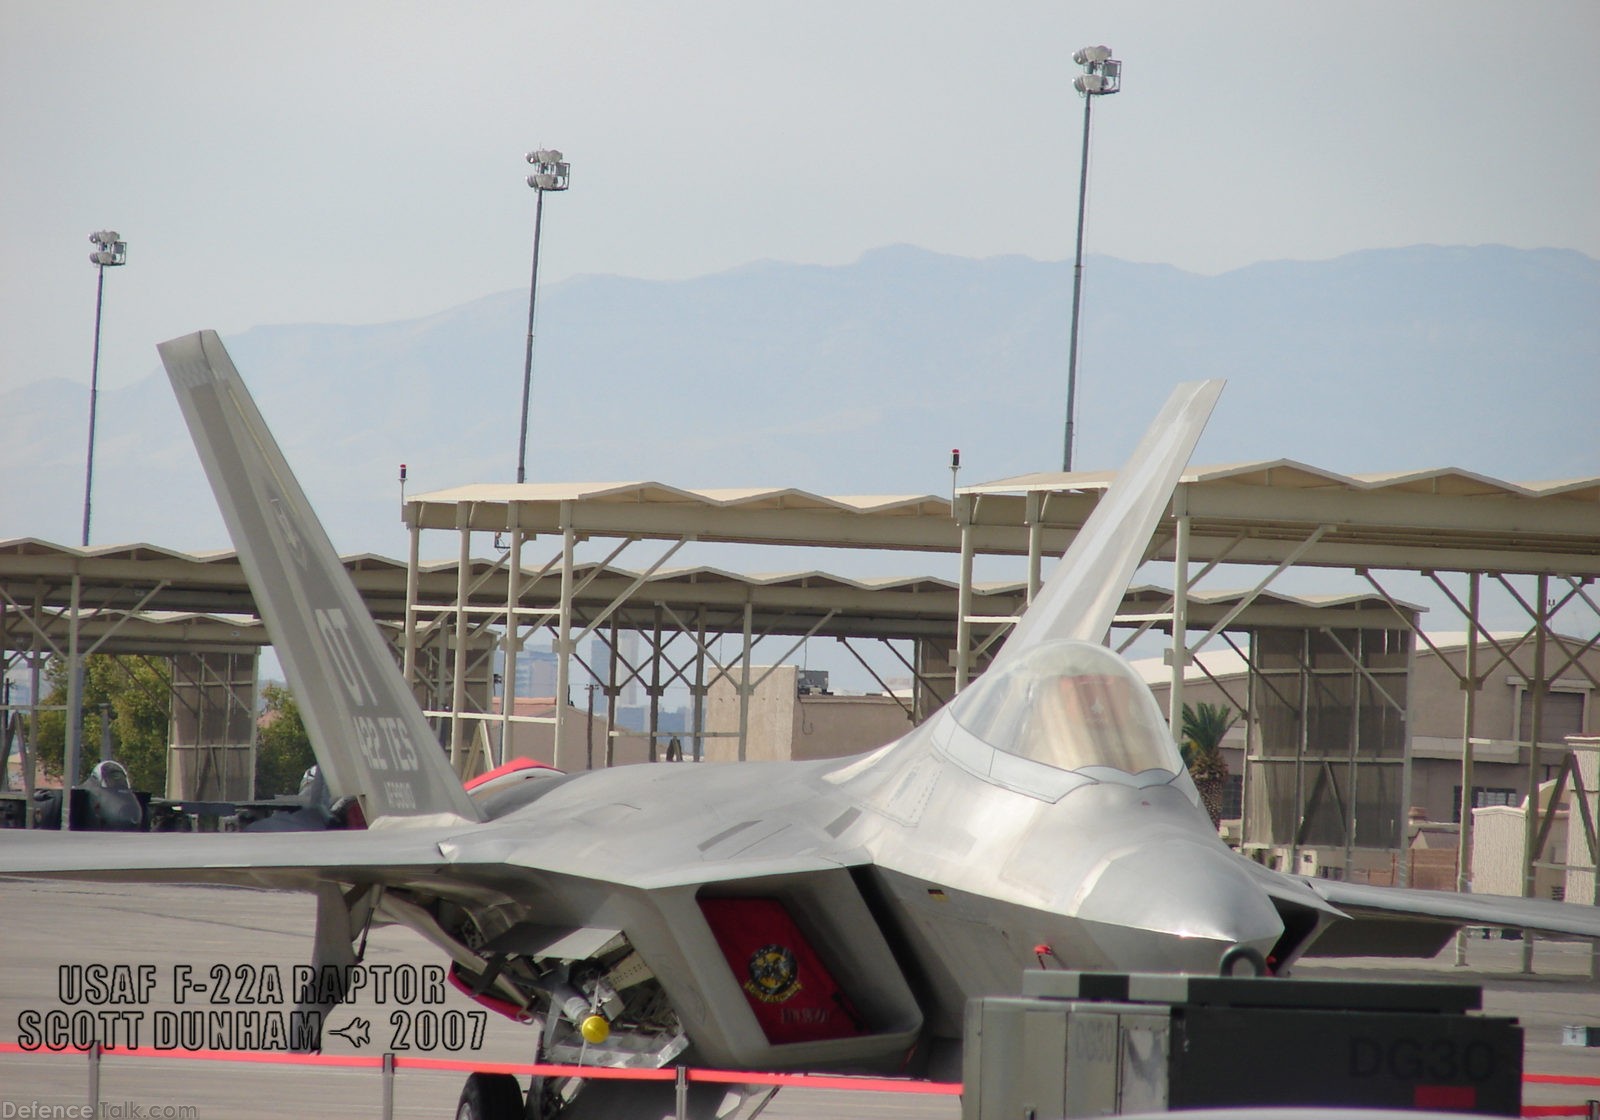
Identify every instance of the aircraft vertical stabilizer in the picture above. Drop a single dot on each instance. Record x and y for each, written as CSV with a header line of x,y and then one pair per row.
x,y
370,737
1082,595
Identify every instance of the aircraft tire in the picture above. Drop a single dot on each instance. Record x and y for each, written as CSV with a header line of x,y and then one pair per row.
x,y
490,1096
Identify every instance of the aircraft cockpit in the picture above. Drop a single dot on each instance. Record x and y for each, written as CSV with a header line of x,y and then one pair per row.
x,y
109,775
1071,706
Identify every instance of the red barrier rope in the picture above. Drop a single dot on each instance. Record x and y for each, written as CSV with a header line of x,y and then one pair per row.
x,y
711,1076
458,1065
1559,1079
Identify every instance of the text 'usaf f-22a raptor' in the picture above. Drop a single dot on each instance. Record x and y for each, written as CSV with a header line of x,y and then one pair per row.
x,y
832,915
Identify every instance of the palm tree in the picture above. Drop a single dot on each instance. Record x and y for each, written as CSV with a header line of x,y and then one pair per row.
x,y
1204,725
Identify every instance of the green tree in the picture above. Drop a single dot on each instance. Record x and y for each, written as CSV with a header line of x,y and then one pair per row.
x,y
1204,726
134,694
283,749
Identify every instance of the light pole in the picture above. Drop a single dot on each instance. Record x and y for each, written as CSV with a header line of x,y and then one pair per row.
x,y
110,251
1102,75
550,174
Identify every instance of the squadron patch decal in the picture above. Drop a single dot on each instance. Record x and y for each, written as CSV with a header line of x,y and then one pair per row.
x,y
790,991
774,977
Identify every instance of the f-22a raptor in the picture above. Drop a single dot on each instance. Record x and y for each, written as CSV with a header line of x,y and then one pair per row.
x,y
832,915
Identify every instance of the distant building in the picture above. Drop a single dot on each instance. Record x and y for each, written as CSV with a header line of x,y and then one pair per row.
x,y
630,692
536,671
789,719
1432,733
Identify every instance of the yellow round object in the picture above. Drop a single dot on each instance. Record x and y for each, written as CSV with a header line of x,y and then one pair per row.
x,y
595,1029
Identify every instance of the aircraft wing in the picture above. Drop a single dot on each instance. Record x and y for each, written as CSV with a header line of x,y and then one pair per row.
x,y
1386,919
282,860
572,836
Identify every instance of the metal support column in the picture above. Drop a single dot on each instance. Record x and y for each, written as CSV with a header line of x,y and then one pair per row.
x,y
512,641
1409,716
1252,736
1034,515
1530,819
408,647
963,664
35,661
1179,654
655,685
611,695
1352,742
458,683
744,683
566,758
1469,715
95,1050
700,687
69,767
1302,745
440,656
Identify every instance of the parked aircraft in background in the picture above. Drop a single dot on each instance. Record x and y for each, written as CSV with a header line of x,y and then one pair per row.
x,y
105,801
830,915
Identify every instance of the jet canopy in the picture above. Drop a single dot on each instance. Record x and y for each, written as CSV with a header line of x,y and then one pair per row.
x,y
110,775
1071,705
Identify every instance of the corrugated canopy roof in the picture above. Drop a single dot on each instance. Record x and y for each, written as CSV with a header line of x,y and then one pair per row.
x,y
659,493
201,587
1289,474
1253,512
1260,512
655,510
206,600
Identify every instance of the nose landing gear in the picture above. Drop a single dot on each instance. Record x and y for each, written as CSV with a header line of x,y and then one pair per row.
x,y
490,1096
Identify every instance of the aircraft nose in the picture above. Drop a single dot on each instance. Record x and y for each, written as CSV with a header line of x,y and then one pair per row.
x,y
1179,905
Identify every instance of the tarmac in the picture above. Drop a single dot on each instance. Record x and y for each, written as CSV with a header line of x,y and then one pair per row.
x,y
256,938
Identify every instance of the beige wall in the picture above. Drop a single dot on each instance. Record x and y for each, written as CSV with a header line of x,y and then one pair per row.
x,y
770,724
839,726
1497,846
1580,873
784,725
1497,850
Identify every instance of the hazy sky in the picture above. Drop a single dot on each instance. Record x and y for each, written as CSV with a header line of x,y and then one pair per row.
x,y
362,161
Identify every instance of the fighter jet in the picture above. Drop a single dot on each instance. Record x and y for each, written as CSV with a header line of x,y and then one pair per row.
x,y
108,803
827,916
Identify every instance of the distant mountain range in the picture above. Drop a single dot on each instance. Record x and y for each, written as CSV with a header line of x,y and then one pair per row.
x,y
860,379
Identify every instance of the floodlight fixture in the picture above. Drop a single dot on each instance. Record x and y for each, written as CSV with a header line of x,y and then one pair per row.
x,y
1102,75
113,250
552,172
